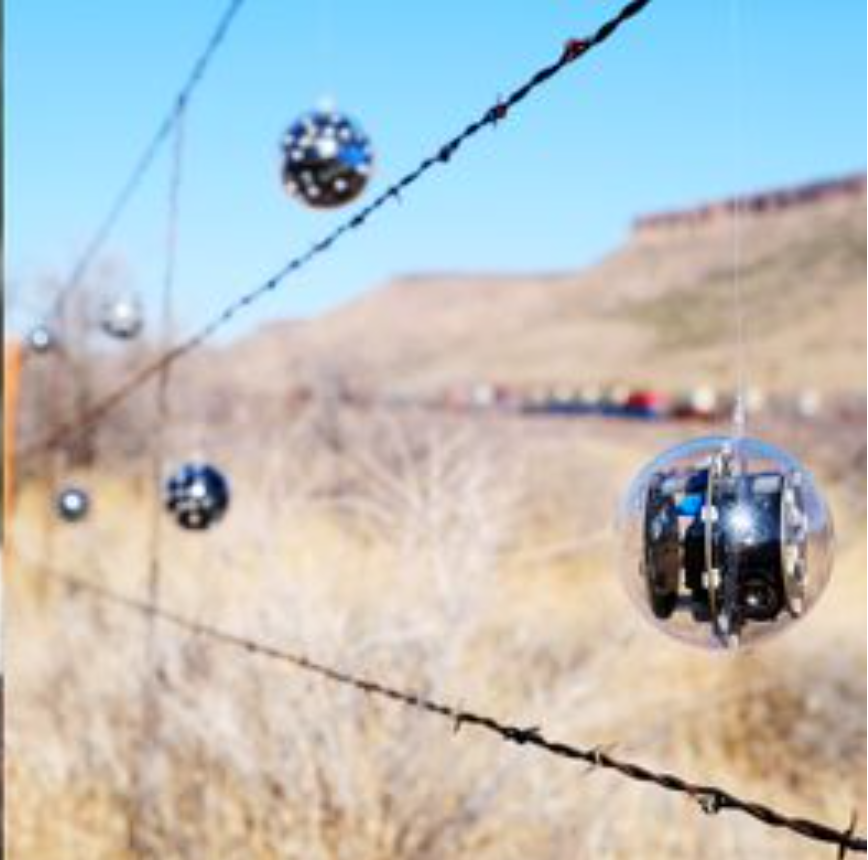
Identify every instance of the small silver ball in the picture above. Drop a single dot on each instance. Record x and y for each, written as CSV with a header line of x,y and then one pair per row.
x,y
40,339
72,504
196,496
122,317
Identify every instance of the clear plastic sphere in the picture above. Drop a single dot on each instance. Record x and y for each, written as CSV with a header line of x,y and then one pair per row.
x,y
72,504
725,541
327,159
122,316
40,339
197,496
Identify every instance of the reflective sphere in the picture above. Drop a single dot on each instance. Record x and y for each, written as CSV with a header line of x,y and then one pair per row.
x,y
40,339
725,541
327,159
122,317
197,496
72,504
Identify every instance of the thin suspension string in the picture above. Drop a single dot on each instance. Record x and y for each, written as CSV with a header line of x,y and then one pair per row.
x,y
146,159
711,799
141,758
52,387
740,406
572,51
326,50
162,402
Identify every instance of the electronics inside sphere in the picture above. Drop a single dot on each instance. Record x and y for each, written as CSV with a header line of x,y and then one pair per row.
x,y
122,317
726,541
72,504
197,496
327,159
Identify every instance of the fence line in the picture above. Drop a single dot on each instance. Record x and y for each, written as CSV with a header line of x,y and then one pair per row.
x,y
149,153
497,113
711,799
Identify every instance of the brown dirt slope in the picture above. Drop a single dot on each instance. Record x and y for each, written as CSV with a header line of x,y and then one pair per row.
x,y
657,311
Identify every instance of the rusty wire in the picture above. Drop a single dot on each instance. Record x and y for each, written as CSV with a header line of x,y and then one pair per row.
x,y
711,799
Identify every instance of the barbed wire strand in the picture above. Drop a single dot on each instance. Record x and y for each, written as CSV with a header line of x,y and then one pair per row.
x,y
143,164
710,798
497,113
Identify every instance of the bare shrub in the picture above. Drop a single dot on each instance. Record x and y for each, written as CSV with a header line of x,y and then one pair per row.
x,y
413,570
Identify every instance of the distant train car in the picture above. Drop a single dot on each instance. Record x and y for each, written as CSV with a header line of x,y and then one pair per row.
x,y
452,399
808,404
699,404
591,398
535,399
754,399
614,400
483,395
550,400
507,398
566,400
645,403
493,396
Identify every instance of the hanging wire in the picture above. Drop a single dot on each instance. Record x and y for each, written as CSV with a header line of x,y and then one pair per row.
x,y
326,50
711,799
141,758
162,404
143,164
572,51
739,411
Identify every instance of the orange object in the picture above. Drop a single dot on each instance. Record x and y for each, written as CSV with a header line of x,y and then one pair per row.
x,y
11,372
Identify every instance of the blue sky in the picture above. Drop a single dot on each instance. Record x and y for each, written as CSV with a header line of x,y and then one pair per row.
x,y
672,111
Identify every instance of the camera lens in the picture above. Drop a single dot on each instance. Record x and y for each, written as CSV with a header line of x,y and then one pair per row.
x,y
761,599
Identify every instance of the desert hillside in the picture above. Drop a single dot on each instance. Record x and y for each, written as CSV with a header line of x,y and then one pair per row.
x,y
657,311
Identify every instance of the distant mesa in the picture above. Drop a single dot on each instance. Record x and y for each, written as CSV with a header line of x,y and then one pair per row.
x,y
646,329
774,200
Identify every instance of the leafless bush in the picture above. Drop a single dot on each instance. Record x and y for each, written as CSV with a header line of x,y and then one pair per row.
x,y
408,574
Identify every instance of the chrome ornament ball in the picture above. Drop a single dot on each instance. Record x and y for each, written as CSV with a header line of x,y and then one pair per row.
x,y
197,496
40,339
725,541
122,317
327,159
72,504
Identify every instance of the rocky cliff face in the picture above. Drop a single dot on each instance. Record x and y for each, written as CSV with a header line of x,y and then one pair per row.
x,y
657,311
719,213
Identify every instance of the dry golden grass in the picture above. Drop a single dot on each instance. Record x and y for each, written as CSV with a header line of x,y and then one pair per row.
x,y
468,560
